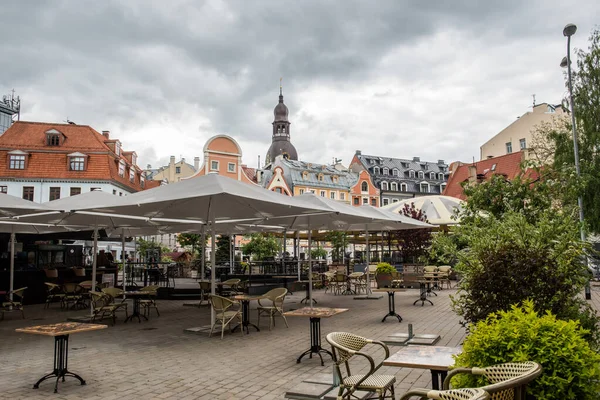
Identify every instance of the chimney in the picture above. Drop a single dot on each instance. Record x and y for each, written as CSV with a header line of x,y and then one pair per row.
x,y
441,162
196,163
258,175
106,134
472,174
172,161
149,166
358,152
183,160
416,159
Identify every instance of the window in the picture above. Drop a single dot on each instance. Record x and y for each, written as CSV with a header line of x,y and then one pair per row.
x,y
442,187
320,177
142,181
364,187
522,144
231,167
403,187
384,185
424,187
411,174
52,139
322,193
75,191
301,191
374,202
394,200
54,193
4,189
421,175
17,162
395,172
432,175
334,178
278,190
77,163
134,159
120,193
28,193
312,191
508,147
342,196
177,170
394,186
114,192
441,177
332,195
376,170
386,202
356,201
131,175
305,175
118,148
365,201
386,171
214,165
96,189
122,169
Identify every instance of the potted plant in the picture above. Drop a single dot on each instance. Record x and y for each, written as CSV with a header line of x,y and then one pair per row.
x,y
383,275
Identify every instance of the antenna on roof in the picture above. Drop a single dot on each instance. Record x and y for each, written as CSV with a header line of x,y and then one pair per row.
x,y
70,122
533,95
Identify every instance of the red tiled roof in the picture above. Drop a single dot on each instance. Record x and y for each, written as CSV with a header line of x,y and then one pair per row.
x,y
250,173
508,165
52,162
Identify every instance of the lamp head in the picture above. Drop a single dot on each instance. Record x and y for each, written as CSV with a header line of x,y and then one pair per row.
x,y
569,30
564,62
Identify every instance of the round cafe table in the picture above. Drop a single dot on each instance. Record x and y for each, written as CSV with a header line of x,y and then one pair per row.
x,y
245,300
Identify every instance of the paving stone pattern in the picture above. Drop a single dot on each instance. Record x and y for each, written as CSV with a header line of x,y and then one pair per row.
x,y
155,359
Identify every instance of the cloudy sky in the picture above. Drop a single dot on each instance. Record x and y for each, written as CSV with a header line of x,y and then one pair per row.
x,y
394,78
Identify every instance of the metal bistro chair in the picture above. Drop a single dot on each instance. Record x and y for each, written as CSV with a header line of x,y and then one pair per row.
x,y
276,297
103,306
73,295
224,314
508,381
116,293
345,346
53,293
204,292
14,304
150,302
454,394
444,276
229,286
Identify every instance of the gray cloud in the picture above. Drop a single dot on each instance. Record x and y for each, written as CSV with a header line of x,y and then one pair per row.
x,y
434,79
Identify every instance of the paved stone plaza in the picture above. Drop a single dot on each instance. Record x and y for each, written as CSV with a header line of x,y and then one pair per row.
x,y
156,360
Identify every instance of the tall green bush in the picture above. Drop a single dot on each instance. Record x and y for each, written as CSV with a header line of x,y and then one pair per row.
x,y
571,368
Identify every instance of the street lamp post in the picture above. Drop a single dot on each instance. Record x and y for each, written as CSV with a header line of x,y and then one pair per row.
x,y
568,31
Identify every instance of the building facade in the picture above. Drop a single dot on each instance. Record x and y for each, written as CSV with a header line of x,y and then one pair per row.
x,y
293,178
519,135
45,161
174,172
10,108
399,179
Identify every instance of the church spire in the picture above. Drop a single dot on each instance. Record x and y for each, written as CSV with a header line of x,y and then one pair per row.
x,y
280,90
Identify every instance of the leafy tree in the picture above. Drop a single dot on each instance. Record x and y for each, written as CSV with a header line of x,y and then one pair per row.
x,y
261,246
339,241
318,252
143,246
412,243
558,138
191,240
223,249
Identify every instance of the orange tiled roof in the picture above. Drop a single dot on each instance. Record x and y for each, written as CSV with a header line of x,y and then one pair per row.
x,y
508,165
52,162
250,173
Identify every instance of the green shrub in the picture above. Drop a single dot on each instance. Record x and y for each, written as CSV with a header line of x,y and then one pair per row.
x,y
384,268
571,369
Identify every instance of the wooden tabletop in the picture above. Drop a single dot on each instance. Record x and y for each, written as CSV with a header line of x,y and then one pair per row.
x,y
315,312
248,297
437,358
139,293
388,290
64,328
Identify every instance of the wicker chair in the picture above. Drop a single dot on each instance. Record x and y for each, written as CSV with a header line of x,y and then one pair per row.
x,y
397,279
150,302
73,295
115,293
204,291
276,297
229,286
103,306
345,346
14,304
455,394
53,293
223,313
508,381
444,276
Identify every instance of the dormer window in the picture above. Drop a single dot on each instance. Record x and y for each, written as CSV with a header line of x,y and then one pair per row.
x,y
131,175
376,170
386,171
134,159
394,186
395,172
384,185
411,174
142,181
53,137
441,177
403,187
320,177
421,175
77,163
118,148
305,175
432,175
335,179
122,169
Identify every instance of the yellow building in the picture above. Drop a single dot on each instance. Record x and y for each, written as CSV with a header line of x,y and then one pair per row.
x,y
174,171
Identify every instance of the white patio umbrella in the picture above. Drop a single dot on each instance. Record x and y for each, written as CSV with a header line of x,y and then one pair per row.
x,y
439,209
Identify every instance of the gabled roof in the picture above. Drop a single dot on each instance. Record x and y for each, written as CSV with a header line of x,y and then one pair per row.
x,y
369,162
508,165
249,172
295,170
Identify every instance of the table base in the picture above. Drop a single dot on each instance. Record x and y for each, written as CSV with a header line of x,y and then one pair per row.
x,y
315,342
246,324
392,308
307,297
61,354
136,311
437,379
423,296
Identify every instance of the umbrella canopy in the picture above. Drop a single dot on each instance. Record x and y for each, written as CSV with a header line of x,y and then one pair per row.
x,y
13,206
208,198
438,209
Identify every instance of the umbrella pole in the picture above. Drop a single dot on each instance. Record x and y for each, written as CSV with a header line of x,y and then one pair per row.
x,y
310,300
230,255
12,265
203,261
213,268
94,263
298,253
123,261
368,258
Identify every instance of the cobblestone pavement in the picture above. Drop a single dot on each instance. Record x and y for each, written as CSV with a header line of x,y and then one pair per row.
x,y
155,359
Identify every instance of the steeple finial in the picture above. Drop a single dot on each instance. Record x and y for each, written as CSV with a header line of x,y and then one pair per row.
x,y
280,86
